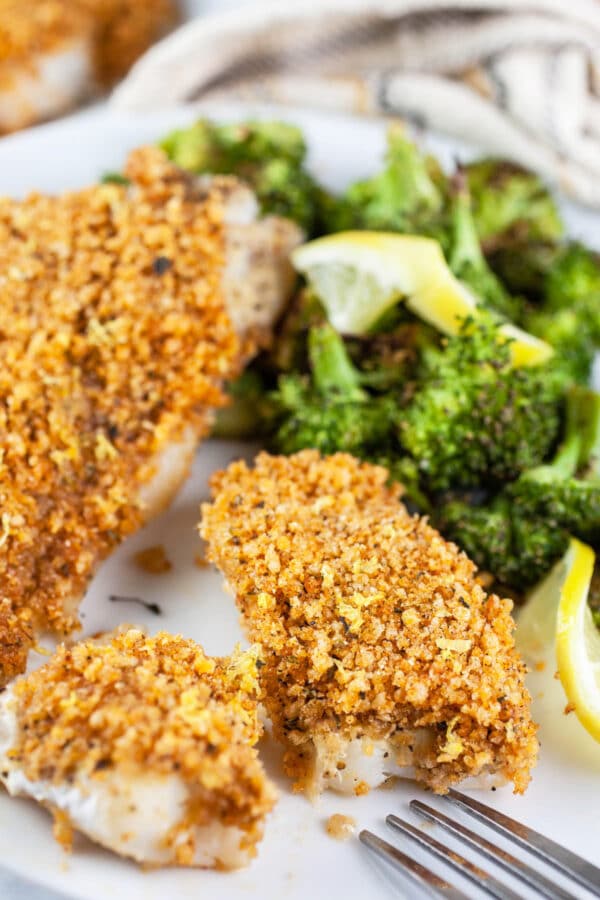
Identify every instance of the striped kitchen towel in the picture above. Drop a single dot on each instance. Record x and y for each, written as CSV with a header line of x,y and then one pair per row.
x,y
521,78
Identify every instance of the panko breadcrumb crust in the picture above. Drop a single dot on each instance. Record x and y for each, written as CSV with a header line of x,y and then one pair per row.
x,y
16,639
370,622
123,30
115,343
118,32
29,28
156,705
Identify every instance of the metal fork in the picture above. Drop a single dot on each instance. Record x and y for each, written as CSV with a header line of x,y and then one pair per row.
x,y
576,870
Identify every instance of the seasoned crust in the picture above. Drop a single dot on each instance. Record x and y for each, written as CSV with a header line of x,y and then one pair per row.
x,y
370,622
154,705
30,29
123,30
16,639
54,54
117,31
115,345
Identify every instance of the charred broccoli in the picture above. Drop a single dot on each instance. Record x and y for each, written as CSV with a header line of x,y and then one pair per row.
x,y
562,283
567,491
330,409
510,203
569,332
466,256
474,418
521,532
209,147
573,278
268,155
250,412
518,552
406,196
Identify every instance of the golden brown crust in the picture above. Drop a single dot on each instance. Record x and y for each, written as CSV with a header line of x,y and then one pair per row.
x,y
118,31
157,705
123,30
16,639
153,560
31,28
370,622
115,343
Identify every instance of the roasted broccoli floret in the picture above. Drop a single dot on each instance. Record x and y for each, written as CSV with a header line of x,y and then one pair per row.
x,y
511,203
553,275
568,331
250,413
522,531
406,196
207,146
289,352
572,278
330,409
404,470
518,552
466,256
268,155
338,407
475,419
567,491
562,283
523,266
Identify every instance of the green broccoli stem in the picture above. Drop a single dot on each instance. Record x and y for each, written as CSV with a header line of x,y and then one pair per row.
x,y
568,454
588,464
467,259
407,158
332,368
466,248
565,493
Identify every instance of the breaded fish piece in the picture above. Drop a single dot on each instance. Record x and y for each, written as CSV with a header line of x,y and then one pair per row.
x,y
56,53
383,655
16,640
121,320
145,745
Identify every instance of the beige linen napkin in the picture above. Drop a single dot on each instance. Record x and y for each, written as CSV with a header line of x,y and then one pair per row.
x,y
521,78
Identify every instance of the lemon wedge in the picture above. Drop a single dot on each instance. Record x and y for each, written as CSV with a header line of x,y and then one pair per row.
x,y
536,619
557,612
358,275
578,642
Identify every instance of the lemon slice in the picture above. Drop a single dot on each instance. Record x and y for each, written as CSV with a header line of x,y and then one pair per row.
x,y
578,642
536,619
358,275
557,613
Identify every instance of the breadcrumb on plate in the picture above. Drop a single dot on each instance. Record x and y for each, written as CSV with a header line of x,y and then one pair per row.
x,y
146,745
382,653
119,330
153,560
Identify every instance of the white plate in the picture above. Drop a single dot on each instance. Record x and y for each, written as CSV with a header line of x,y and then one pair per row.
x,y
296,858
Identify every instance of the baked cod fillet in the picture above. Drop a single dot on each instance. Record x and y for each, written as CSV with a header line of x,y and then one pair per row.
x,y
383,655
143,744
124,310
56,53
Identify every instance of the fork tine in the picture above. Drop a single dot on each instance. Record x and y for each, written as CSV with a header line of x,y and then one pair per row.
x,y
478,876
580,870
501,857
410,868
